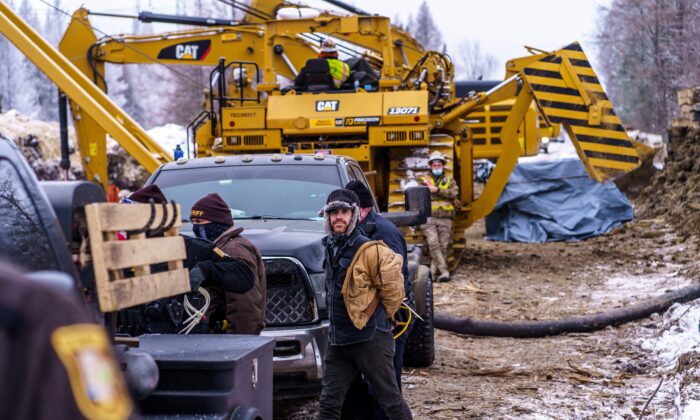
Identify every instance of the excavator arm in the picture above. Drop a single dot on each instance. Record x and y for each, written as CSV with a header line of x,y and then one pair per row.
x,y
566,91
89,102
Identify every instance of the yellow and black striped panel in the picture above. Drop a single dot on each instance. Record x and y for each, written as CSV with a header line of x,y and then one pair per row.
x,y
603,145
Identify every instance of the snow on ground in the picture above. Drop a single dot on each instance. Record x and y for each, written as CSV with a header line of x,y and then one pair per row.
x,y
682,337
679,342
169,136
556,151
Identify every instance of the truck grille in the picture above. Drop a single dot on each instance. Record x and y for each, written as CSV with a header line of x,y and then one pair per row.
x,y
290,298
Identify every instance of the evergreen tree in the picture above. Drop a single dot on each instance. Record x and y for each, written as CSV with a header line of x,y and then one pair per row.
x,y
424,29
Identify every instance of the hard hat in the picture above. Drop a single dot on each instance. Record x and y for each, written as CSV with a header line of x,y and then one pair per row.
x,y
437,156
328,47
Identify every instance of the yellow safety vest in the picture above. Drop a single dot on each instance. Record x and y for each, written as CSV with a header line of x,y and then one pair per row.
x,y
443,184
339,71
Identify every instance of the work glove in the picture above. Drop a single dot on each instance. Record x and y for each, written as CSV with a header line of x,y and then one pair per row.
x,y
197,277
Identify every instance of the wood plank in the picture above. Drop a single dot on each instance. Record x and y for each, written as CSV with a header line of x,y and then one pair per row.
x,y
137,290
94,225
116,217
124,254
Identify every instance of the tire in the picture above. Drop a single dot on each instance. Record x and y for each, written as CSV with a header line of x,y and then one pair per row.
x,y
245,413
420,347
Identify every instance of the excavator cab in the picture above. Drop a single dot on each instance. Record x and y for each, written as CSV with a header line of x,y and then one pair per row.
x,y
315,77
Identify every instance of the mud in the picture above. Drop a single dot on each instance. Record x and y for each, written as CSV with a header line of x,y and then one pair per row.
x,y
606,374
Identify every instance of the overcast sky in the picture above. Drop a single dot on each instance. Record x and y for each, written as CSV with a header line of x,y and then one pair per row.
x,y
502,27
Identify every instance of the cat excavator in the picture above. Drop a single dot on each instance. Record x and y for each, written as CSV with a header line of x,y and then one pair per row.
x,y
390,126
242,41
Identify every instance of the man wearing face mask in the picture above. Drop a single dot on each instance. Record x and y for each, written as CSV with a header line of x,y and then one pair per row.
x,y
438,230
245,312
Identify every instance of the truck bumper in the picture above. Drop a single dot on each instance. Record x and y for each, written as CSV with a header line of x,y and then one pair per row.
x,y
299,351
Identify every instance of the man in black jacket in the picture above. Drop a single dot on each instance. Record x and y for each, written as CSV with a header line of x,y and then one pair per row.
x,y
358,348
359,403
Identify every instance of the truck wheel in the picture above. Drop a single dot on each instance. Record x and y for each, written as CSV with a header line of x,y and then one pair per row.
x,y
245,413
420,347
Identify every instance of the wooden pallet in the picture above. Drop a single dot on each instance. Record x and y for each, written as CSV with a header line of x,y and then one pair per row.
x,y
112,259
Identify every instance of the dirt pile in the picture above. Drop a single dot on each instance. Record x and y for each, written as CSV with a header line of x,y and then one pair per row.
x,y
674,193
39,143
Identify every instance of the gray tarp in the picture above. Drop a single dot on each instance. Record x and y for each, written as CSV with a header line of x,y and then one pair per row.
x,y
555,201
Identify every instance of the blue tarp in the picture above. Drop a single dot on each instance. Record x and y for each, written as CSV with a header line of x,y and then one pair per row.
x,y
556,201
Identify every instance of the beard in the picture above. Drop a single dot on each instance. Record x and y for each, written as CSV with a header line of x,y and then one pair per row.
x,y
340,226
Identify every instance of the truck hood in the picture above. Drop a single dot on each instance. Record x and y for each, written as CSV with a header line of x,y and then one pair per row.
x,y
300,239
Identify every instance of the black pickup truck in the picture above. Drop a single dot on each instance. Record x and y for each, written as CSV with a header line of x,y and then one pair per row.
x,y
42,227
277,199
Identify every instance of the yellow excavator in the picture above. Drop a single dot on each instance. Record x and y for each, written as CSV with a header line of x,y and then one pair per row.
x,y
389,126
242,41
392,125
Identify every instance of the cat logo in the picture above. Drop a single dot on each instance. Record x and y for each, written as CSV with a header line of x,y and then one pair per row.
x,y
327,106
186,51
403,110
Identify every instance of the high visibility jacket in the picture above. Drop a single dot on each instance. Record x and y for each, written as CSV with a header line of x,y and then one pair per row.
x,y
442,201
339,71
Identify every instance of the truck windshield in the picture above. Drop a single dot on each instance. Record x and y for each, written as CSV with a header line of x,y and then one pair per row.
x,y
255,191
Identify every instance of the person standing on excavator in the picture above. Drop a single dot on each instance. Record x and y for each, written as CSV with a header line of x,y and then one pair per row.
x,y
438,230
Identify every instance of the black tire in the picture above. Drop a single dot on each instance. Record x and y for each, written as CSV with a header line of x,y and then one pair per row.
x,y
420,347
245,413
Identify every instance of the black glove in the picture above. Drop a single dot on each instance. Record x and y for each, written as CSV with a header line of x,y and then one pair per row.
x,y
197,277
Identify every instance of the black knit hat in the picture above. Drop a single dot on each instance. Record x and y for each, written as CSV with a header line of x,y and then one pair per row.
x,y
147,193
363,193
213,208
341,198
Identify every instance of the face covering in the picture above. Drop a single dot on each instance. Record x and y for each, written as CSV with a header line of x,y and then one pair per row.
x,y
437,172
209,231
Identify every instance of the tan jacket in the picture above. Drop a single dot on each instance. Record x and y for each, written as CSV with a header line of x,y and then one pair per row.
x,y
374,276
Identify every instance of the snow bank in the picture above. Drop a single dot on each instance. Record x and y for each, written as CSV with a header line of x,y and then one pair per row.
x,y
556,151
169,136
683,335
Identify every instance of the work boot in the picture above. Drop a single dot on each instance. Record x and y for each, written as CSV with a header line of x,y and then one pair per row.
x,y
444,277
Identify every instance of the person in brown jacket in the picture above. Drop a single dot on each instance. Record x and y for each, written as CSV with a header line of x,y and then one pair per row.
x,y
364,289
244,312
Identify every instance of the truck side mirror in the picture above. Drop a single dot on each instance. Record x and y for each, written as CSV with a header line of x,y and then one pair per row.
x,y
418,199
417,205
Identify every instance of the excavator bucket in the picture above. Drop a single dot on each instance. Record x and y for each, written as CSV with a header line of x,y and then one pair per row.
x,y
568,92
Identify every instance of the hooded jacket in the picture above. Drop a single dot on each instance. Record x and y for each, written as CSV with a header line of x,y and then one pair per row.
x,y
245,312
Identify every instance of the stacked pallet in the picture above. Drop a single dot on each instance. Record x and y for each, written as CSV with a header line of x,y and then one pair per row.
x,y
689,103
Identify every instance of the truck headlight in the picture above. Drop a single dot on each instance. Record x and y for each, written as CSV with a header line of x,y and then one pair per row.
x,y
545,140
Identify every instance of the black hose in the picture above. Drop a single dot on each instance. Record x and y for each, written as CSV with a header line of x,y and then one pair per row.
x,y
583,323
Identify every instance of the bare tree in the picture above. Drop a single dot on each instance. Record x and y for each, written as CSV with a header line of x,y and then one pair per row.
x,y
649,49
472,63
